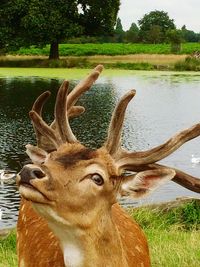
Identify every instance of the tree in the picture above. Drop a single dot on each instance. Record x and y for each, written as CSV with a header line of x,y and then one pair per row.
x,y
132,33
49,21
155,34
150,23
190,36
10,15
35,22
175,38
119,32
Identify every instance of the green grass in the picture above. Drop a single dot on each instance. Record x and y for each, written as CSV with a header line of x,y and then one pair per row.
x,y
173,236
72,62
8,257
111,55
174,248
108,49
190,63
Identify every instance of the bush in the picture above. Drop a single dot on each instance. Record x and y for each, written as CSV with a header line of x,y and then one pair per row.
x,y
190,63
186,217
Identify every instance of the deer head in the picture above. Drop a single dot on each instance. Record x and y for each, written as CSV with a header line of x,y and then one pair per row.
x,y
74,187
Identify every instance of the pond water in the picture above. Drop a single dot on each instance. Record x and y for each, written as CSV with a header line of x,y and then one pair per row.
x,y
165,103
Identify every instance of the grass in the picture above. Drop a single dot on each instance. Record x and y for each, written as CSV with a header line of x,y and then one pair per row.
x,y
112,49
131,62
112,55
8,257
173,236
190,63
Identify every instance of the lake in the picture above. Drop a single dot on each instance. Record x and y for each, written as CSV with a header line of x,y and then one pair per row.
x,y
165,103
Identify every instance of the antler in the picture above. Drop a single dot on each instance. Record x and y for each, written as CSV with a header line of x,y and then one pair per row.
x,y
50,137
145,160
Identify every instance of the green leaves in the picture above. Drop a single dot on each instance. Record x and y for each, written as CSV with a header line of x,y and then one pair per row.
x,y
154,25
37,22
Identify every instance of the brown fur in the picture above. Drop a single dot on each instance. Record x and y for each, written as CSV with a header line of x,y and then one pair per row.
x,y
107,235
44,247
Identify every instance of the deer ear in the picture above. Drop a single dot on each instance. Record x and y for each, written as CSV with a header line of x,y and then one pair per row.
x,y
36,154
145,182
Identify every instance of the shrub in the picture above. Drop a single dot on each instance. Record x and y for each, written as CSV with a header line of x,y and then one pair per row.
x,y
190,63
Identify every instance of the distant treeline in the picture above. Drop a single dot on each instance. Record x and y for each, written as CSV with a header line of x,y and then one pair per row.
x,y
144,33
155,27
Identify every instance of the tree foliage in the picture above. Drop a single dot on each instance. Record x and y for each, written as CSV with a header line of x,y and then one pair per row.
x,y
175,38
98,17
36,22
119,32
132,33
190,36
156,23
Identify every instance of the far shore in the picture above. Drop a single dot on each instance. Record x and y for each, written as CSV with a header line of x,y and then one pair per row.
x,y
129,62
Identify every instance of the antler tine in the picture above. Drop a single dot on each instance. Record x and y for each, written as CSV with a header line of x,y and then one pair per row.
x,y
37,107
44,129
83,86
75,111
78,90
130,159
188,181
61,118
115,128
40,101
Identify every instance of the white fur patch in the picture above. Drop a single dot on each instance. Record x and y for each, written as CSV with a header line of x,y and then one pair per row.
x,y
67,235
73,256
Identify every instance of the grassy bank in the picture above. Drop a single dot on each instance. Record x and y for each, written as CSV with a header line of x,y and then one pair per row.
x,y
8,257
126,62
112,49
173,236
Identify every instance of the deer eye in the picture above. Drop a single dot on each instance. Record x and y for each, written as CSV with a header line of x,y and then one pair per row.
x,y
97,179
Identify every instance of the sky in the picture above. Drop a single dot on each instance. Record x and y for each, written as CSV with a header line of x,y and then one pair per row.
x,y
183,12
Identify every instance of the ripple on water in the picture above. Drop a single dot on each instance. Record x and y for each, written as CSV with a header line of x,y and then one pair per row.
x,y
9,204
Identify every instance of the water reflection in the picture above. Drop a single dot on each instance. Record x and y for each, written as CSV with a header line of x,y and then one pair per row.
x,y
164,104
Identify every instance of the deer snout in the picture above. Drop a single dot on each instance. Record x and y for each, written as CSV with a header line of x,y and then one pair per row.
x,y
29,172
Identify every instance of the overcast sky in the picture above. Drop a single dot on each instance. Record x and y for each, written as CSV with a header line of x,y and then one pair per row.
x,y
184,12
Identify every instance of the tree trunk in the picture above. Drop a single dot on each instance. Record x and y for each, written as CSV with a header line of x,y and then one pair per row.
x,y
54,52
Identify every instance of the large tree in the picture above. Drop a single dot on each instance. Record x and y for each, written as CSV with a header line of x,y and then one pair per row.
x,y
155,23
36,22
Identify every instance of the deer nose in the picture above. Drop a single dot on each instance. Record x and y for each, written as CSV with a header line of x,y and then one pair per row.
x,y
28,173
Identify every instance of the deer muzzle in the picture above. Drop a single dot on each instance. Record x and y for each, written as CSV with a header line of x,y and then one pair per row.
x,y
28,173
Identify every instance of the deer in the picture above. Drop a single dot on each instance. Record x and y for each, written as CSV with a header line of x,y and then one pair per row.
x,y
69,213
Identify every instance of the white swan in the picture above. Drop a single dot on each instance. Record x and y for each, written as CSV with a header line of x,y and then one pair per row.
x,y
195,160
6,176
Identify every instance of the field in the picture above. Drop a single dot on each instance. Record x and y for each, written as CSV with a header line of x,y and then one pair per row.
x,y
173,236
111,49
111,55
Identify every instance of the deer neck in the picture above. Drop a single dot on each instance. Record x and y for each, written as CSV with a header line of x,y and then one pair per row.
x,y
98,245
